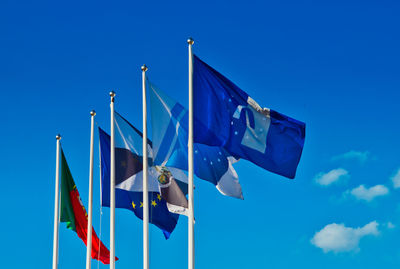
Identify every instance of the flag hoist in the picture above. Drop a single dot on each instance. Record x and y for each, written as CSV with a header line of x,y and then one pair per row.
x,y
90,200
145,173
190,163
56,205
112,185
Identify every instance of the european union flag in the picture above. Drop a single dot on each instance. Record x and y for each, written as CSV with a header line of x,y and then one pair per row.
x,y
128,185
226,116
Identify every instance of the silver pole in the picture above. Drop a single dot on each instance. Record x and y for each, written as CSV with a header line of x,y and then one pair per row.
x,y
190,160
90,200
112,186
56,205
145,170
100,208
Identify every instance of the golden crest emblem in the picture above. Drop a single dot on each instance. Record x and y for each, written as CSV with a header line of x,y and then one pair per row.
x,y
164,176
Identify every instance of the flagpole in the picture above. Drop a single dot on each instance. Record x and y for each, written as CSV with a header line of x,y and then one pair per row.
x,y
145,170
190,162
112,186
90,207
101,211
56,205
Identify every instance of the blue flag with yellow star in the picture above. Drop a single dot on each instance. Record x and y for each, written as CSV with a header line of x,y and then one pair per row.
x,y
128,185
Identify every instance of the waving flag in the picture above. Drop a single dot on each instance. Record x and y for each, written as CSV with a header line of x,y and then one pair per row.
x,y
172,182
169,126
129,180
74,213
226,116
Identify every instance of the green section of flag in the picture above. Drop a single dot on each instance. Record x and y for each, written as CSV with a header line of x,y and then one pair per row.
x,y
67,185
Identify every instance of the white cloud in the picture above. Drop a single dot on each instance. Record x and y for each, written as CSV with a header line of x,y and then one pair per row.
x,y
361,156
332,176
390,225
339,238
368,194
396,180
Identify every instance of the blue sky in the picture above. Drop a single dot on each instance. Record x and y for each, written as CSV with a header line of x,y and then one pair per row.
x,y
334,65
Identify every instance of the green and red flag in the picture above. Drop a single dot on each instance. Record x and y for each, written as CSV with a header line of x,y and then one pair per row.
x,y
74,213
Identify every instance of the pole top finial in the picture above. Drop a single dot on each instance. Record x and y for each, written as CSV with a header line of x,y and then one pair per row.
x,y
93,113
58,137
144,68
190,41
112,94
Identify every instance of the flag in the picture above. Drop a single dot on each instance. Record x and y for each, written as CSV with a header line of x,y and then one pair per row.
x,y
172,182
129,176
170,137
226,116
74,213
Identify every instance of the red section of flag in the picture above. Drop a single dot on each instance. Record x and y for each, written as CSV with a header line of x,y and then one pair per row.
x,y
99,251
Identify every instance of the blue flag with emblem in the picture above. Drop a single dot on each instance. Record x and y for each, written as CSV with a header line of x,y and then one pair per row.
x,y
128,176
226,116
170,137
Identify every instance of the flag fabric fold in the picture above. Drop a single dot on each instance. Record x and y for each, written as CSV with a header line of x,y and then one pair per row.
x,y
170,135
129,176
170,182
173,191
226,116
74,213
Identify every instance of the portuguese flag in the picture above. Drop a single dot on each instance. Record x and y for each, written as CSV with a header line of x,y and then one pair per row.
x,y
74,213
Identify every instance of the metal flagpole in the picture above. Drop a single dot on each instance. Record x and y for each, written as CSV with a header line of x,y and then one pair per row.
x,y
90,208
101,211
190,162
145,170
112,186
56,205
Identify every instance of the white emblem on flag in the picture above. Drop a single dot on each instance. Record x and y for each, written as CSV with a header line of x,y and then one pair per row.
x,y
255,138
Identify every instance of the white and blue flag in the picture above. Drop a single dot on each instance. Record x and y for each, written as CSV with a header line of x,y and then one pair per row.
x,y
170,137
227,117
164,185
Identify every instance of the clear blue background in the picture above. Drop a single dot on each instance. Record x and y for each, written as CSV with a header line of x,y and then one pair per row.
x,y
334,65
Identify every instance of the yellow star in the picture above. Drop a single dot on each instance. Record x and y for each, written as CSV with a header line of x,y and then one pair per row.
x,y
153,203
123,164
133,205
141,204
158,197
